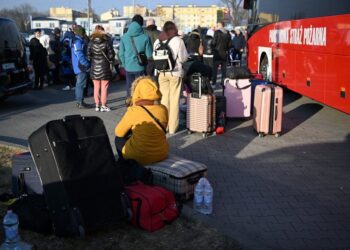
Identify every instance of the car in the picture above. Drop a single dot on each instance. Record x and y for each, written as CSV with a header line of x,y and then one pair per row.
x,y
14,73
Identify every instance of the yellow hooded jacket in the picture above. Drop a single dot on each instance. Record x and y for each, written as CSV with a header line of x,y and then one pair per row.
x,y
148,143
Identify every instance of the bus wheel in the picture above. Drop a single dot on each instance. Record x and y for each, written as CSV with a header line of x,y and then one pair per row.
x,y
264,65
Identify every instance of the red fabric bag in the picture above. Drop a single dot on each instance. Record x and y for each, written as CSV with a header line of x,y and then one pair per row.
x,y
152,206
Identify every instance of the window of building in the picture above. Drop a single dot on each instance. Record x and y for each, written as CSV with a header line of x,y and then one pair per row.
x,y
37,25
52,25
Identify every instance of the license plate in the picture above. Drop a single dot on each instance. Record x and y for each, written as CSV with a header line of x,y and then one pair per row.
x,y
7,66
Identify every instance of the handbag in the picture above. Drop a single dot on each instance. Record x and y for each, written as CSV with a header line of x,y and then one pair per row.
x,y
111,66
141,56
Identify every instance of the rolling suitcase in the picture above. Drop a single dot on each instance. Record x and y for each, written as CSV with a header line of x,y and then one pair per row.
x,y
77,170
238,97
25,176
200,112
152,206
268,104
255,82
178,175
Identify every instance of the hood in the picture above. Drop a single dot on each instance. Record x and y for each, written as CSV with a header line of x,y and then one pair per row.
x,y
98,37
134,29
144,88
194,34
151,27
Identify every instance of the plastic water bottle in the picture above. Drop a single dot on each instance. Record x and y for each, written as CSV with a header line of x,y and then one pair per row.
x,y
12,238
198,199
208,198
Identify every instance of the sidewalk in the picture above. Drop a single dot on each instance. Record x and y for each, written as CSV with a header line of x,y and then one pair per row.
x,y
291,192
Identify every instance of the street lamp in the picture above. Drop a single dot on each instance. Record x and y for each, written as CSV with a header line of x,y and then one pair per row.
x,y
88,17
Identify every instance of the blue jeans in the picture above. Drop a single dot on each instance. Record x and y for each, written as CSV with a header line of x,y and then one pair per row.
x,y
79,86
130,77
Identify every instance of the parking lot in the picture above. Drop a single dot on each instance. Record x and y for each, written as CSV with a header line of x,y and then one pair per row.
x,y
291,192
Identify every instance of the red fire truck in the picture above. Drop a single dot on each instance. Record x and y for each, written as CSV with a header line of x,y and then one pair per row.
x,y
303,46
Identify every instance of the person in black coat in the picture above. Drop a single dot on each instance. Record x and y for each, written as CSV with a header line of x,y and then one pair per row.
x,y
208,53
101,55
38,56
192,45
55,49
238,44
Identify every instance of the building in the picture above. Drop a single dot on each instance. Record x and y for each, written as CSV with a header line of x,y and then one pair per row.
x,y
109,15
118,25
67,14
45,23
189,17
130,11
86,23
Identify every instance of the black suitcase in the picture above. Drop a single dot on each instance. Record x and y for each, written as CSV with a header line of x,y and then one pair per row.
x,y
25,177
82,185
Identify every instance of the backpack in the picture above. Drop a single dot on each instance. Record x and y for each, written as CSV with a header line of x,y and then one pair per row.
x,y
163,57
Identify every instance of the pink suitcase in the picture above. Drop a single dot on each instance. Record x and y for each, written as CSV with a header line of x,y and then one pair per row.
x,y
200,112
267,114
238,96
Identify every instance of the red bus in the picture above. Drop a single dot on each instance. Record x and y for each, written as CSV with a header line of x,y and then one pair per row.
x,y
303,46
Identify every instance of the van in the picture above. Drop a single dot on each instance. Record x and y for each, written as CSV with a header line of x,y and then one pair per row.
x,y
14,76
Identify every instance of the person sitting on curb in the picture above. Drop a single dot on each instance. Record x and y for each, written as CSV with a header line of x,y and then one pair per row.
x,y
140,135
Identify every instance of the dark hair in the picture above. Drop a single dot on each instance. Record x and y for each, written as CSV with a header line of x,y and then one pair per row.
x,y
99,27
169,27
138,19
37,30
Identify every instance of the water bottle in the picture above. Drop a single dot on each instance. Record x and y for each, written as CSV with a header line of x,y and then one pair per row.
x,y
12,238
198,199
208,198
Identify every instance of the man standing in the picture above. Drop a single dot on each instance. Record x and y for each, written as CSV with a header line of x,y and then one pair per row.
x,y
152,31
133,42
55,53
221,45
80,65
38,56
238,43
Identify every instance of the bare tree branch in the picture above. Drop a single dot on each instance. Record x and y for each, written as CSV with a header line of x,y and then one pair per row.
x,y
237,13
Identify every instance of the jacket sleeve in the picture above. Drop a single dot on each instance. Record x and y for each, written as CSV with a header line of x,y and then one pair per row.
x,y
149,49
124,126
110,51
121,52
215,39
182,53
79,52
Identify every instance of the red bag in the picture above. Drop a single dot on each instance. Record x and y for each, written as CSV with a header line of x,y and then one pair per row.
x,y
152,206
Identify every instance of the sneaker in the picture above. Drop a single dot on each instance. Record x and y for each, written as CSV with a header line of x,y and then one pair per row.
x,y
105,109
66,88
97,108
82,105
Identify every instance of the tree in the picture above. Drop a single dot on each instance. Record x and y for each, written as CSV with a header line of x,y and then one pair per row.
x,y
21,15
237,13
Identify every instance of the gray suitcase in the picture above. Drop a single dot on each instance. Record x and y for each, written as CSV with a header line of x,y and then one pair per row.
x,y
178,175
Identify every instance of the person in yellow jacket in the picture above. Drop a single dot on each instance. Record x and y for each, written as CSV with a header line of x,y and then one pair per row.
x,y
140,135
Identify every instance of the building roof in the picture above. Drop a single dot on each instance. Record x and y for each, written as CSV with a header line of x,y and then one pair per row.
x,y
44,19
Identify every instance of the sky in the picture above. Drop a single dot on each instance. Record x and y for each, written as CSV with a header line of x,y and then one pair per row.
x,y
101,6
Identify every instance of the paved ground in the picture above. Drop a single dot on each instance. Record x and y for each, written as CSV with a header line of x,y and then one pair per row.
x,y
291,192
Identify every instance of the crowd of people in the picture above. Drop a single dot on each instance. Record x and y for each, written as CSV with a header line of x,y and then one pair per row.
x,y
152,93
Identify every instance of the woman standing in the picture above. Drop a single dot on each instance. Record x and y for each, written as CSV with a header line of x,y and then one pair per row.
x,y
101,54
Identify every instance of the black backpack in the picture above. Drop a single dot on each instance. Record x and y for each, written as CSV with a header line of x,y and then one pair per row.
x,y
163,57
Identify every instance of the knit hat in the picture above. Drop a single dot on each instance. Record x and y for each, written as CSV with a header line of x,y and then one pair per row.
x,y
144,88
80,31
56,31
210,32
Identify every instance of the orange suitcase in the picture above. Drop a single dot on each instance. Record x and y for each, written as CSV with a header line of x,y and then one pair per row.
x,y
267,114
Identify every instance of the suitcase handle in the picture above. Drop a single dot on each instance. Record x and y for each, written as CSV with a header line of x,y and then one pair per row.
x,y
72,117
245,87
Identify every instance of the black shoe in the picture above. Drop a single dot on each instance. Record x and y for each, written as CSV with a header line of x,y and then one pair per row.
x,y
83,105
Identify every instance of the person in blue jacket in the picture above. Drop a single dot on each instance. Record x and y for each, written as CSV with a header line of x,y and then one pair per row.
x,y
80,65
127,53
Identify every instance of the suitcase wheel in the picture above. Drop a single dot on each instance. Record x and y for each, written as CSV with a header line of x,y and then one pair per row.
x,y
189,132
277,135
204,135
261,135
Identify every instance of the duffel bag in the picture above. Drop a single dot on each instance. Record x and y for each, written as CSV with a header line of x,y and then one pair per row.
x,y
152,206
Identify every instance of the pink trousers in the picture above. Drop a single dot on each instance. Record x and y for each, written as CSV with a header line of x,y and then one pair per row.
x,y
100,86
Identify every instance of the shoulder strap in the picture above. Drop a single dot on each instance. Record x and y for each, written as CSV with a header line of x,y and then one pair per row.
x,y
103,53
154,118
133,46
